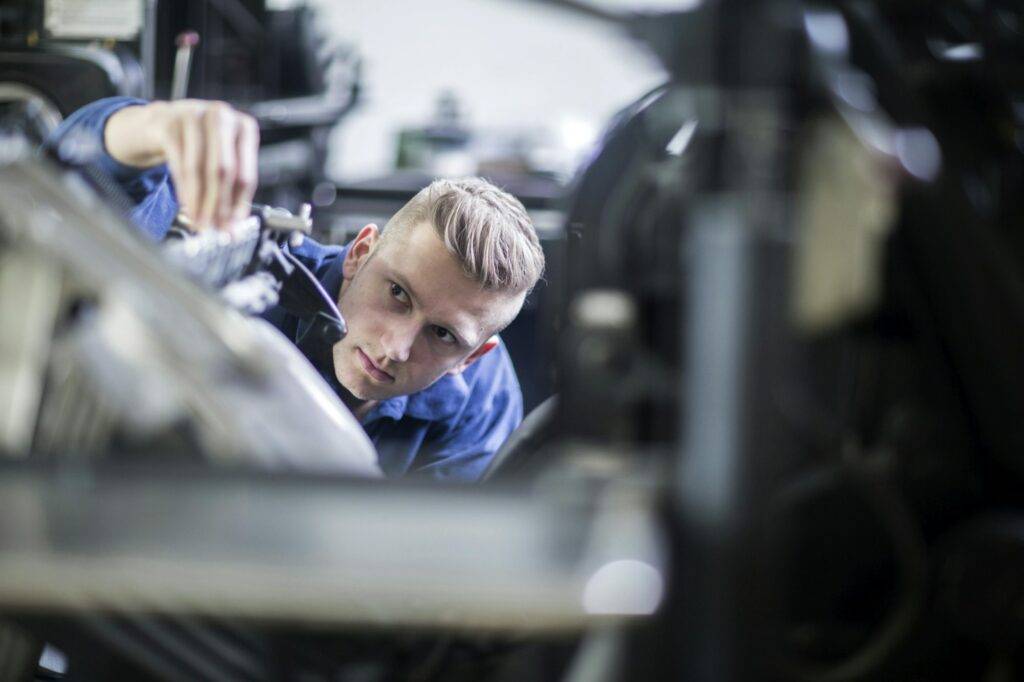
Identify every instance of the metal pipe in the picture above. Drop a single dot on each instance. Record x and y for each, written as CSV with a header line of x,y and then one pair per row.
x,y
147,47
186,42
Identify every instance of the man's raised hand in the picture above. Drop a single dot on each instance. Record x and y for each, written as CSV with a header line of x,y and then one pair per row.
x,y
209,147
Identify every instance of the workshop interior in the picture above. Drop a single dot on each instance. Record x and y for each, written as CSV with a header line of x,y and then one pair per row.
x,y
769,375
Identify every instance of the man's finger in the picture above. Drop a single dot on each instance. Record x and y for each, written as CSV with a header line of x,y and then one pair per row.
x,y
247,152
219,166
189,179
173,153
227,170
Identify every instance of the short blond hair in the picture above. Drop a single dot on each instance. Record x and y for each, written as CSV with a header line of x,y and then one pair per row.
x,y
484,227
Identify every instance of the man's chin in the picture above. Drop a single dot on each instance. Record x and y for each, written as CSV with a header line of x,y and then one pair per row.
x,y
362,391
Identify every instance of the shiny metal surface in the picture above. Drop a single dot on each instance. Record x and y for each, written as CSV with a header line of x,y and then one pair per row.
x,y
155,349
323,550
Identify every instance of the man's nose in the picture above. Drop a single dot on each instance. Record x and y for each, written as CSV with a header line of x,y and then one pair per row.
x,y
398,342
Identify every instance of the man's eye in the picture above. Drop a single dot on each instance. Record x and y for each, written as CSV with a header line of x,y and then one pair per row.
x,y
444,335
398,293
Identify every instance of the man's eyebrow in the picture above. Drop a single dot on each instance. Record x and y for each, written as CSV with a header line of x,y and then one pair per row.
x,y
404,283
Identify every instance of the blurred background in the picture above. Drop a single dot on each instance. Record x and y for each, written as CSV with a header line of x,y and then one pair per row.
x,y
527,79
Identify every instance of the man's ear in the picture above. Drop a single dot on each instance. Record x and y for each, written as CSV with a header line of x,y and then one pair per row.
x,y
485,348
359,250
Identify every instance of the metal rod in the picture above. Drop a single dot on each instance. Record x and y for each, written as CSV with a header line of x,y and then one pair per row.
x,y
148,48
186,42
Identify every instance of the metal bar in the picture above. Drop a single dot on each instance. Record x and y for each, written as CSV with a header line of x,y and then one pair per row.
x,y
331,551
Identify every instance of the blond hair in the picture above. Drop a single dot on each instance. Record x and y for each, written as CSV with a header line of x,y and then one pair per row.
x,y
484,227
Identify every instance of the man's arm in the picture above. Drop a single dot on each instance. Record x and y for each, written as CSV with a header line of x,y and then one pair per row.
x,y
209,148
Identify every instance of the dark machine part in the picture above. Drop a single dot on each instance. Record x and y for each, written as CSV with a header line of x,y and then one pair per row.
x,y
616,253
972,278
978,583
228,64
275,64
256,270
678,239
41,85
303,296
46,75
818,466
257,56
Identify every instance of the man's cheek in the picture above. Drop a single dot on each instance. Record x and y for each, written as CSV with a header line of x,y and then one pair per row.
x,y
362,321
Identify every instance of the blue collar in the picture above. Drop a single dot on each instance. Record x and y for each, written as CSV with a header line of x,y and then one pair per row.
x,y
439,401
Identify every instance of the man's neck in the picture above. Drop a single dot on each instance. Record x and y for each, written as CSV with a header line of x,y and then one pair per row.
x,y
364,409
359,407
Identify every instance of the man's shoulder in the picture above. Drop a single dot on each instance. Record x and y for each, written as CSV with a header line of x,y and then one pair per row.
x,y
318,257
492,375
493,368
487,384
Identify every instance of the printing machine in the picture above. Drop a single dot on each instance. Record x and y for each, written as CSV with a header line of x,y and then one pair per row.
x,y
785,444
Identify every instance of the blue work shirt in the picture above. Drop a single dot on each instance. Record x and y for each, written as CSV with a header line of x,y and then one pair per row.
x,y
449,430
79,141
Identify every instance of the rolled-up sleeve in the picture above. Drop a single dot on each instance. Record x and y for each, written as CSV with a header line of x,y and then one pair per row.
x,y
79,142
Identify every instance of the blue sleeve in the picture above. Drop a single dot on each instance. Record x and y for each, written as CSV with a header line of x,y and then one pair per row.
x,y
79,141
319,258
462,448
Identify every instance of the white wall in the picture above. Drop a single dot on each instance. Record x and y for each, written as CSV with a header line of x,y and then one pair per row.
x,y
511,63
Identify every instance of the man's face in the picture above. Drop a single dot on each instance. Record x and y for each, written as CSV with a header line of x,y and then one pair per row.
x,y
412,314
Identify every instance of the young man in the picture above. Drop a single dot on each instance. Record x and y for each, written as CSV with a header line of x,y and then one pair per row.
x,y
421,366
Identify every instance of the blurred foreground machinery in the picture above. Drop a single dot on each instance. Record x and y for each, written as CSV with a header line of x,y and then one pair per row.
x,y
794,281
110,350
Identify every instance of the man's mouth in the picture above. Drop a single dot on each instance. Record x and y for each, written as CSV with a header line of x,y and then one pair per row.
x,y
372,369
